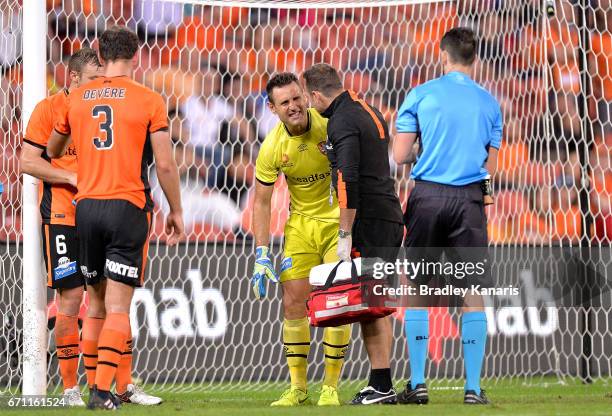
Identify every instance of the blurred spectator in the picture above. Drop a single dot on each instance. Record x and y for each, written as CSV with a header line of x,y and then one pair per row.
x,y
10,35
213,125
515,168
512,219
601,192
200,204
601,43
256,108
156,16
567,218
566,118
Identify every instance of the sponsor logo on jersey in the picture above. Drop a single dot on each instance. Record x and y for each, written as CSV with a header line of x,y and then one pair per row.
x,y
303,147
121,269
336,301
312,178
321,146
64,268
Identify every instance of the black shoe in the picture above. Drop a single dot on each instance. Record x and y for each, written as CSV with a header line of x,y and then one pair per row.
x,y
472,398
116,399
418,395
369,395
101,400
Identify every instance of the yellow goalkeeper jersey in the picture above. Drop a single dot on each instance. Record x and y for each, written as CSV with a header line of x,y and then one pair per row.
x,y
303,161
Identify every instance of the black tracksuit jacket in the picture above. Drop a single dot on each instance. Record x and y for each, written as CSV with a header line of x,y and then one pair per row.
x,y
358,150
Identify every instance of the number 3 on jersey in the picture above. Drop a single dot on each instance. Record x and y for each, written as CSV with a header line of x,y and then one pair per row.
x,y
106,126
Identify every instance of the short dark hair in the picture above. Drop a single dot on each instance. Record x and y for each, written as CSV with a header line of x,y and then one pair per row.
x,y
323,78
280,80
117,42
460,43
82,57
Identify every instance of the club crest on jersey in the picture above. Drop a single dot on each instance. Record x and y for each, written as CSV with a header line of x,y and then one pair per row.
x,y
285,163
321,146
64,268
303,147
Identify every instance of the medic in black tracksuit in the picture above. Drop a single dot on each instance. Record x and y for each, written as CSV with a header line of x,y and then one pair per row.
x,y
358,150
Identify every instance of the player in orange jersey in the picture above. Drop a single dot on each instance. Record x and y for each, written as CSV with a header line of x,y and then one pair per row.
x,y
117,127
57,190
60,246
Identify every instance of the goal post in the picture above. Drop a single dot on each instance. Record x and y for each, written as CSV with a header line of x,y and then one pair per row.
x,y
195,323
34,296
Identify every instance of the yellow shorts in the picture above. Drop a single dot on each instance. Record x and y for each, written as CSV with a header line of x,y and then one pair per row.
x,y
308,243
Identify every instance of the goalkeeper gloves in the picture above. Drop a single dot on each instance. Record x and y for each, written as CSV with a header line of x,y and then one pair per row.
x,y
263,269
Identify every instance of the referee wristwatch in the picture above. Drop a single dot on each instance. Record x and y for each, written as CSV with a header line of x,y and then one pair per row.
x,y
344,234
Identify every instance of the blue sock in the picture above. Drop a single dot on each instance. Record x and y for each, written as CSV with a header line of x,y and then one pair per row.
x,y
416,323
474,339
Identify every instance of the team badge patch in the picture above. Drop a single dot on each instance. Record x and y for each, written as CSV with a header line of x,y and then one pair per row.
x,y
286,264
321,146
65,268
303,147
285,162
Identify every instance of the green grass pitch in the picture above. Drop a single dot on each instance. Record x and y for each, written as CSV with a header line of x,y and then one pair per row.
x,y
514,398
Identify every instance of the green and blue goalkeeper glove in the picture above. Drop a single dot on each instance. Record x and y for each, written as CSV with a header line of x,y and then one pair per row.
x,y
263,269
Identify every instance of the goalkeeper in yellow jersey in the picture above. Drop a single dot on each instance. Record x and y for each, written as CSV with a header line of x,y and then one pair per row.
x,y
295,147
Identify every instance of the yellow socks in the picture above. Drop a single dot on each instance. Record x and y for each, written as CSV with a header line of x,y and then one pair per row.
x,y
335,345
296,339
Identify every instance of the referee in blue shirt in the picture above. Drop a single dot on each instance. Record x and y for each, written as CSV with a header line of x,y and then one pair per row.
x,y
459,127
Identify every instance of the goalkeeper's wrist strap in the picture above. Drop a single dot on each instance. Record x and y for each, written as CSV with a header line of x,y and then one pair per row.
x,y
262,251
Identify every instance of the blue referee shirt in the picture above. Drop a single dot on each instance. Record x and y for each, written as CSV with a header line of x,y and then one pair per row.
x,y
457,120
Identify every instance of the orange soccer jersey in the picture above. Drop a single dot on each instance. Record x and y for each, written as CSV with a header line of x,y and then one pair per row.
x,y
56,205
110,120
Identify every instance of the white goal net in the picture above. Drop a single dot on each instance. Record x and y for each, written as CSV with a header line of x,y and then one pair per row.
x,y
195,322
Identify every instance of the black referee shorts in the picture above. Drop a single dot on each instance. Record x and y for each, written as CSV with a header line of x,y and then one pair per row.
x,y
373,237
447,219
445,216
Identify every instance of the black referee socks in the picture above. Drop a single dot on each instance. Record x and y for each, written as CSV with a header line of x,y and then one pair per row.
x,y
380,379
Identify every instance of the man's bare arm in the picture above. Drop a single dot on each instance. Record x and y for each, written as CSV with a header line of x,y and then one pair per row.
x,y
262,211
491,165
57,144
167,174
347,218
404,148
167,171
32,163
